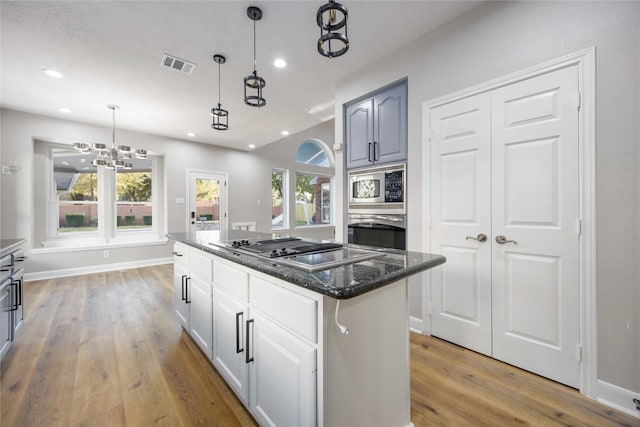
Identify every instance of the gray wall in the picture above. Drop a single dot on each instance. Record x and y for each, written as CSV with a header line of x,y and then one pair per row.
x,y
19,206
500,38
282,155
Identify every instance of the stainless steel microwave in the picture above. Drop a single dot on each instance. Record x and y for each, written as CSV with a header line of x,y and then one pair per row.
x,y
379,189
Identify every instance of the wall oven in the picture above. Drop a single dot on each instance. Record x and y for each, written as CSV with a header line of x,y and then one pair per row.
x,y
376,214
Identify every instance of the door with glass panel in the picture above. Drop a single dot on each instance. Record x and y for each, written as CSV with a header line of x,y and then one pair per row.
x,y
207,201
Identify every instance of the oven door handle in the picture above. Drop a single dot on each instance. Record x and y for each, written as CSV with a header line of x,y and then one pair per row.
x,y
376,226
370,221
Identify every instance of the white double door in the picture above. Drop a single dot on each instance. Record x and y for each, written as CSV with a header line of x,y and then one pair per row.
x,y
504,164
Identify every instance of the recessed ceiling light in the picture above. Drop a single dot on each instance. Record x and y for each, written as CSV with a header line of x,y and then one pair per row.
x,y
252,146
191,134
53,73
284,132
85,168
65,163
280,63
64,110
83,160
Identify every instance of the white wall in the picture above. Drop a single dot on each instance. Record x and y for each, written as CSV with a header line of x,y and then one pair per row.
x,y
281,154
18,209
500,38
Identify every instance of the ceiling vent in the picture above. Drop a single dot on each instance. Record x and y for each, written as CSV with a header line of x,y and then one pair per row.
x,y
177,64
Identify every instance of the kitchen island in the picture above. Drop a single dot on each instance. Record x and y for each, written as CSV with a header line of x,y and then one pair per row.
x,y
301,348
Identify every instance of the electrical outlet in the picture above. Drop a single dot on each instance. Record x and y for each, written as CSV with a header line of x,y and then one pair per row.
x,y
107,254
6,170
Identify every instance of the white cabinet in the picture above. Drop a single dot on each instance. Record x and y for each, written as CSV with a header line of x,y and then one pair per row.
x,y
5,316
200,314
192,294
229,355
283,376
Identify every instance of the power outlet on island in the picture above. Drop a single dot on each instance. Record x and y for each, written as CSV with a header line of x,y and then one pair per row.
x,y
107,254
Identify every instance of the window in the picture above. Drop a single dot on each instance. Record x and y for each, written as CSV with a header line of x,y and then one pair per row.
x,y
134,207
313,199
312,153
279,189
94,206
75,203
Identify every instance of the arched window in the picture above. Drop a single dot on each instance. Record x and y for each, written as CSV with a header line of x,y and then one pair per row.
x,y
313,152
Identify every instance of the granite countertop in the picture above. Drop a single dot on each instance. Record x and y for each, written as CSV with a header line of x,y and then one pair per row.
x,y
340,282
9,245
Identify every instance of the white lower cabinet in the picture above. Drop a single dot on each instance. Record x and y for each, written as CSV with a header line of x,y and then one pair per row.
x,y
283,375
180,306
201,310
229,354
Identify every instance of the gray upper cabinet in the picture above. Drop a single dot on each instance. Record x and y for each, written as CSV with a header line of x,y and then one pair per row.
x,y
376,128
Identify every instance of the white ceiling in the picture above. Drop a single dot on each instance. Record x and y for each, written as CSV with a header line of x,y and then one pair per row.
x,y
110,53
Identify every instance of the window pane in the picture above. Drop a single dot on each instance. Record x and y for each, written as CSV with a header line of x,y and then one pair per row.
x,y
278,199
313,199
76,192
312,153
207,204
133,194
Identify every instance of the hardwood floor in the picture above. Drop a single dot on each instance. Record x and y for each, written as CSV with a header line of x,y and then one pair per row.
x,y
106,350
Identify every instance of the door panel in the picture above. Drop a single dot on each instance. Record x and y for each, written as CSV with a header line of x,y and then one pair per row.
x,y
207,197
199,296
390,125
460,189
535,203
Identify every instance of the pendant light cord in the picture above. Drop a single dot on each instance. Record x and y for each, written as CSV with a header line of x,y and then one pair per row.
x,y
113,134
254,46
218,84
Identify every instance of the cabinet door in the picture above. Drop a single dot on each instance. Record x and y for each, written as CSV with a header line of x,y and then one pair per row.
x,y
229,316
283,376
390,123
200,313
359,134
180,305
5,318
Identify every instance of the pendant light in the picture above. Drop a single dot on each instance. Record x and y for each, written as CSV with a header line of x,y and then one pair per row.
x,y
220,115
114,158
253,83
331,29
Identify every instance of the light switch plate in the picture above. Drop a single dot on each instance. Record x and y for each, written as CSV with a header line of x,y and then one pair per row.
x,y
6,170
179,200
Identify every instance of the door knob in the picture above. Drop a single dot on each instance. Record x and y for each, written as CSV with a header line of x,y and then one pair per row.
x,y
480,237
502,240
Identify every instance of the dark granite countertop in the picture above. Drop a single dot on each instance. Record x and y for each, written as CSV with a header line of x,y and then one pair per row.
x,y
9,245
341,282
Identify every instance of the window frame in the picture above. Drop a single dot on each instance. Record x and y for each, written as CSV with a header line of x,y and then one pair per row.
x,y
107,233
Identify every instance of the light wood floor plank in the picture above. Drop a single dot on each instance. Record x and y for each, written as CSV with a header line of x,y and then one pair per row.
x,y
106,350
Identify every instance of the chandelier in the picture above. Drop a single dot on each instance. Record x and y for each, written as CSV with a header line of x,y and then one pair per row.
x,y
331,29
253,82
114,157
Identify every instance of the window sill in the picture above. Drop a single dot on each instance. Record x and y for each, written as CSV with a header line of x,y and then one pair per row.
x,y
72,246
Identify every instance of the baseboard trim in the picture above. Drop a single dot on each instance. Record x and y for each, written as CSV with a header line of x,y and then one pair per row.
x,y
89,269
415,324
617,397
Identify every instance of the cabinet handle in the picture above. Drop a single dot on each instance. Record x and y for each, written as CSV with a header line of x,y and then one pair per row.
x,y
19,285
369,152
184,276
186,290
247,359
177,253
238,349
21,258
14,306
375,158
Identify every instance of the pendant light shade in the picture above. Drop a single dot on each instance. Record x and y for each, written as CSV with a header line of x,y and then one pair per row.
x,y
253,83
332,20
220,115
